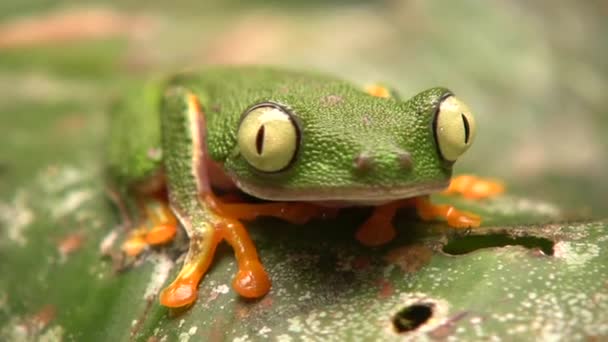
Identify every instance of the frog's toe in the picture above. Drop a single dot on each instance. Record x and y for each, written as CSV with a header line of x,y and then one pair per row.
x,y
135,244
459,219
474,187
252,281
161,234
454,217
179,294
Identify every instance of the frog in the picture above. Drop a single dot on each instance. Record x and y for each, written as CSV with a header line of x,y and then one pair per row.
x,y
191,150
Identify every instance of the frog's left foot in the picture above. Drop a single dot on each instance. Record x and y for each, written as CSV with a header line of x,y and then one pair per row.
x,y
475,188
163,228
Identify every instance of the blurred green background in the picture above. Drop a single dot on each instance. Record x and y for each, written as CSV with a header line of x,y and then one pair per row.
x,y
534,73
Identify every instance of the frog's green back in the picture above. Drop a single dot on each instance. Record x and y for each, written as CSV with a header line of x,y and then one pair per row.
x,y
133,145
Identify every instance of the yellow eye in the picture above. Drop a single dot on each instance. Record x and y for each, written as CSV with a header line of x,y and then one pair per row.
x,y
268,138
454,128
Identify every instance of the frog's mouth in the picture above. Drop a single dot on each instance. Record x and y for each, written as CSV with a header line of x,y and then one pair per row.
x,y
368,195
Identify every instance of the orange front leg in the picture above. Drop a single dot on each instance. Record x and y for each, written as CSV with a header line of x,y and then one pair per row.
x,y
293,212
184,289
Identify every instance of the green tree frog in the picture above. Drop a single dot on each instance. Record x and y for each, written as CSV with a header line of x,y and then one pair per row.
x,y
306,144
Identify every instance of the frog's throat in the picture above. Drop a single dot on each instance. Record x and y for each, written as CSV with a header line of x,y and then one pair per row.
x,y
346,194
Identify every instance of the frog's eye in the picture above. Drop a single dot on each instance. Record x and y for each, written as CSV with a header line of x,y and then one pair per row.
x,y
454,128
268,137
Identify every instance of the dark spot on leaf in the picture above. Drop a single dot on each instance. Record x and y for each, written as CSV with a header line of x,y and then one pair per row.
x,y
411,317
471,243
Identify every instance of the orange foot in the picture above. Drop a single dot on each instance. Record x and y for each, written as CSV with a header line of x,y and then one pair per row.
x,y
163,230
473,187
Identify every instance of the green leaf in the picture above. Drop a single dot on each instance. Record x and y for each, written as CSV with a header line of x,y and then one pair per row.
x,y
535,270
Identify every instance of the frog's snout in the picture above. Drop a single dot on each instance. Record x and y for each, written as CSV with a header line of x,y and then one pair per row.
x,y
364,161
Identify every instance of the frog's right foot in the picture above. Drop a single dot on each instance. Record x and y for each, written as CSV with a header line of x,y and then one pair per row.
x,y
160,228
251,280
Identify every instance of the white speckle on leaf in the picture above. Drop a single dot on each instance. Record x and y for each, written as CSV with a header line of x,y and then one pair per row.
x,y
243,338
264,331
306,296
185,336
284,338
14,330
162,267
53,334
574,253
476,320
294,325
72,201
108,241
55,179
15,218
507,205
222,289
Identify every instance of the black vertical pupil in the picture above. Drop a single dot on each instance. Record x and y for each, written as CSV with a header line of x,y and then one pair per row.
x,y
466,128
259,140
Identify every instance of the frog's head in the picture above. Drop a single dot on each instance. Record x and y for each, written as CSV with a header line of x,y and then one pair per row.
x,y
337,143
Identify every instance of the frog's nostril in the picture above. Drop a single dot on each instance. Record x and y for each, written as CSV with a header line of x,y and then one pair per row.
x,y
363,162
405,159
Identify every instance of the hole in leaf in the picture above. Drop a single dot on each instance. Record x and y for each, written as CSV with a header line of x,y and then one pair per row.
x,y
411,317
470,243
